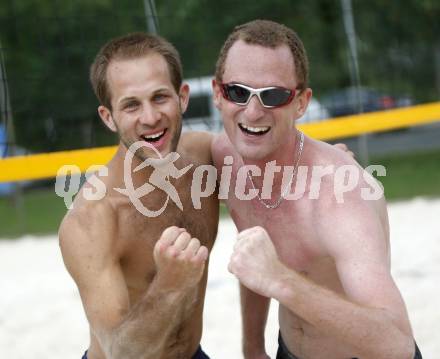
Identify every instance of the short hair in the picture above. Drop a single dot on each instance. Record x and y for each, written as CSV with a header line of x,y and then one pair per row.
x,y
267,34
128,47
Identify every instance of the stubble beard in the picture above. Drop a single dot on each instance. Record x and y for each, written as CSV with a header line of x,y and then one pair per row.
x,y
139,154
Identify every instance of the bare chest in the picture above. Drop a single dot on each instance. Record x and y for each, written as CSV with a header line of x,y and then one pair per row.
x,y
291,227
138,235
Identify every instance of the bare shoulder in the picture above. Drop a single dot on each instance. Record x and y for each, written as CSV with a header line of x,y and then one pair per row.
x,y
87,217
221,147
196,145
320,152
87,235
341,174
350,201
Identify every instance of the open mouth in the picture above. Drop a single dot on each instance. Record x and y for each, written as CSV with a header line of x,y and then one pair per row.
x,y
154,137
254,130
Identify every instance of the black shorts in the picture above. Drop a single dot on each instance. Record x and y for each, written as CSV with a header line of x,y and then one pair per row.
x,y
199,354
283,352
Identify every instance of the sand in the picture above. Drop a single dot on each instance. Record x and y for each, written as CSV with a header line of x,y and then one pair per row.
x,y
41,315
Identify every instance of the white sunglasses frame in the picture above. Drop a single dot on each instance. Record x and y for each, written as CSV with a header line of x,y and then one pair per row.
x,y
257,92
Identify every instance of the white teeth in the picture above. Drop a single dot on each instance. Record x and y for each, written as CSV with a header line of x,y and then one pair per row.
x,y
156,135
255,129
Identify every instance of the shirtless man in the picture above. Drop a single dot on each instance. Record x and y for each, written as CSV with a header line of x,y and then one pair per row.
x,y
326,263
142,280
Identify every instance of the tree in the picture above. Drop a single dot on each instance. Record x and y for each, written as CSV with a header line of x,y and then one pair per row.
x,y
49,46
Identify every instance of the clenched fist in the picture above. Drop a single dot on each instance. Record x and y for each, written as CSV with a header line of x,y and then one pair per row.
x,y
255,262
180,260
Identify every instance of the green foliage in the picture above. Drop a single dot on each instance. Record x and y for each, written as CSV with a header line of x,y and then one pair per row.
x,y
41,213
398,44
395,40
49,45
202,27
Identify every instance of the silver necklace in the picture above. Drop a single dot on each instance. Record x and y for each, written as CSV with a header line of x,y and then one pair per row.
x,y
295,168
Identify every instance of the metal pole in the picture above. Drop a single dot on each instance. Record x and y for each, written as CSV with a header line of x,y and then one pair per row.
x,y
151,16
5,104
6,114
437,67
350,32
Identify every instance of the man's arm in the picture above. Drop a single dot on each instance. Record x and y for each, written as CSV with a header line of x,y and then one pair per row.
x,y
254,307
125,330
372,320
254,310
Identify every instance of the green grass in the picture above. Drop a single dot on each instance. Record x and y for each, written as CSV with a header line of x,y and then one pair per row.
x,y
224,213
407,176
411,175
42,213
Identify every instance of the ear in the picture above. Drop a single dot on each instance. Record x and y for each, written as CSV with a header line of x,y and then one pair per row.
x,y
303,101
216,93
106,117
184,97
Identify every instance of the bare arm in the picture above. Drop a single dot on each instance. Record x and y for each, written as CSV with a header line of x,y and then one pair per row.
x,y
143,331
254,309
125,330
371,320
371,331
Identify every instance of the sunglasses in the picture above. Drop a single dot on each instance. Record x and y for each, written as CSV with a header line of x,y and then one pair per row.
x,y
269,97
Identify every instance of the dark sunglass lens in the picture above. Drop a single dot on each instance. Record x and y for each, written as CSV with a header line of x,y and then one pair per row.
x,y
275,97
237,93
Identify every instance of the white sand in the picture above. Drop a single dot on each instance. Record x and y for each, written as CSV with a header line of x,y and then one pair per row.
x,y
41,315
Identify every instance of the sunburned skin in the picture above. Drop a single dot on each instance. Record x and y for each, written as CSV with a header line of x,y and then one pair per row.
x,y
297,231
324,257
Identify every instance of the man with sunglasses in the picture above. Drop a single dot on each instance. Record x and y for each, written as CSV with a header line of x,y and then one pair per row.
x,y
326,263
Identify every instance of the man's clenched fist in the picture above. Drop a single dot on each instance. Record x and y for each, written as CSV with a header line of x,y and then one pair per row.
x,y
255,262
180,259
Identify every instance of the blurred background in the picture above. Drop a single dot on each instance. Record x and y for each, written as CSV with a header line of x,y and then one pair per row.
x,y
365,56
47,103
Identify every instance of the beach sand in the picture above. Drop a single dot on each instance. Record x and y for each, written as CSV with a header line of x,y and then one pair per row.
x,y
41,316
